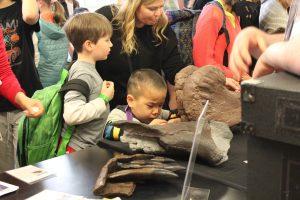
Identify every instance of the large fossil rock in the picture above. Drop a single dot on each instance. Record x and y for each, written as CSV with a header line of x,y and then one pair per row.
x,y
177,138
196,85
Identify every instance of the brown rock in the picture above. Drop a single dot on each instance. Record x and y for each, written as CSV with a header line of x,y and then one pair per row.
x,y
177,138
196,85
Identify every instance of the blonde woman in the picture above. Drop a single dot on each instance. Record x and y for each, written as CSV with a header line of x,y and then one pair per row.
x,y
141,39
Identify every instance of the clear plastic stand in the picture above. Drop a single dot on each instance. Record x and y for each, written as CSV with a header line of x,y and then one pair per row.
x,y
191,193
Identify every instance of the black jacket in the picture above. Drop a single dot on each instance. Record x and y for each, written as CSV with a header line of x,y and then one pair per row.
x,y
163,58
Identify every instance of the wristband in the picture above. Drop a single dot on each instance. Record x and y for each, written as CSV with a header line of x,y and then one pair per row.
x,y
104,97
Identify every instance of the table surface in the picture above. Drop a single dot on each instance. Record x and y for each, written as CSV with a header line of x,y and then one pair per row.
x,y
77,173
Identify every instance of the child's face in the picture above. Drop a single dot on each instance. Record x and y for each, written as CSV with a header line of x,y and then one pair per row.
x,y
102,48
148,105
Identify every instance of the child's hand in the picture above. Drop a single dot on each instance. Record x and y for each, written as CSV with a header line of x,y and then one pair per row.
x,y
175,120
108,89
158,122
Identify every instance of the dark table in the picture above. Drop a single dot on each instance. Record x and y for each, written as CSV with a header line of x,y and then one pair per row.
x,y
77,173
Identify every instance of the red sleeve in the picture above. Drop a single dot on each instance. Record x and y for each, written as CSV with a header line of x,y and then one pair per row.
x,y
9,84
204,41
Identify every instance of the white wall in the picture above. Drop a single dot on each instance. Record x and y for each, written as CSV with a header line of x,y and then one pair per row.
x,y
93,5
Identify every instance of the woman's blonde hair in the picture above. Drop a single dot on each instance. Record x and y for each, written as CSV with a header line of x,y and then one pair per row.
x,y
124,18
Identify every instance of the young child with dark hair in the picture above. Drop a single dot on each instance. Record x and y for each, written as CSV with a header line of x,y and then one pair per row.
x,y
90,35
146,93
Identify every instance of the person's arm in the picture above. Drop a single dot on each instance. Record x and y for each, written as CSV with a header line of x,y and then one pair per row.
x,y
78,111
112,132
249,42
31,107
204,41
9,84
30,11
11,89
279,56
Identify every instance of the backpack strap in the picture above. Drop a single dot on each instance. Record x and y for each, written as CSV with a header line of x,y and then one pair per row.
x,y
82,87
65,139
223,30
77,85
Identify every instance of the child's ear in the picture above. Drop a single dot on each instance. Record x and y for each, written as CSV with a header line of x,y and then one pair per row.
x,y
88,45
130,100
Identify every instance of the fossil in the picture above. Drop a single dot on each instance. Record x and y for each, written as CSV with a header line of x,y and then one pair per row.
x,y
195,85
117,176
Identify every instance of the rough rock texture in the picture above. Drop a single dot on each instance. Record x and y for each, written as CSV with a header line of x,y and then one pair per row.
x,y
118,176
177,138
196,85
137,142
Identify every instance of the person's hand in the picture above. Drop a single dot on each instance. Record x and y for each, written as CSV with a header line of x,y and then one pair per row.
x,y
175,120
31,107
232,84
108,89
250,41
261,67
245,76
158,122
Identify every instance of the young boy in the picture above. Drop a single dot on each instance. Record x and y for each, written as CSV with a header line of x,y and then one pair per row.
x,y
90,35
146,93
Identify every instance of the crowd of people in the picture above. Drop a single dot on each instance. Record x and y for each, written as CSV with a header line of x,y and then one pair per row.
x,y
127,53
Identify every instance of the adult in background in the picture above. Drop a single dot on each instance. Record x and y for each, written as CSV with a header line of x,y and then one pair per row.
x,y
210,45
141,38
53,43
69,6
273,15
18,20
11,89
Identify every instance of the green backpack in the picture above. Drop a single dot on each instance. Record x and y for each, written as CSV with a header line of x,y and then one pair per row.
x,y
38,138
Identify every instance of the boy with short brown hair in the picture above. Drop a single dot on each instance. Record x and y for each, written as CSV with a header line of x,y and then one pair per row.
x,y
90,35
